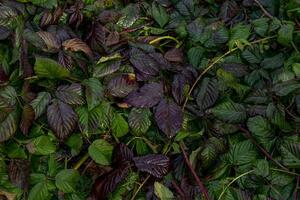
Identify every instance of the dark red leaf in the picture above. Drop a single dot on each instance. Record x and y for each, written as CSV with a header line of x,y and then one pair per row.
x,y
27,119
178,88
46,18
70,94
106,183
147,96
24,62
121,86
156,165
61,118
107,16
96,36
51,42
3,77
77,44
65,60
18,171
169,117
112,39
144,63
122,154
174,55
4,32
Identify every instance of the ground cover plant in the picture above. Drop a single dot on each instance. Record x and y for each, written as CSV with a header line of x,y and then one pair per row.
x,y
165,99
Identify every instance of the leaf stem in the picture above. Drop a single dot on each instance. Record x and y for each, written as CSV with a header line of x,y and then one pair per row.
x,y
263,9
197,179
139,188
166,37
81,161
231,182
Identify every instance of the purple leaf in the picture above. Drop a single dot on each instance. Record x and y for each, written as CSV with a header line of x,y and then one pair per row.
x,y
61,118
169,117
143,62
106,183
147,96
18,172
70,94
121,86
178,88
156,165
122,154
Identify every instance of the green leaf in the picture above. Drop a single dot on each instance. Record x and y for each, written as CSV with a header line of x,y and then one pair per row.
x,y
242,153
285,88
119,125
8,126
276,115
40,103
261,26
159,14
194,56
262,131
139,120
75,143
162,192
285,34
273,62
290,152
45,3
230,112
66,180
41,145
262,168
101,152
207,94
41,191
93,92
15,151
48,68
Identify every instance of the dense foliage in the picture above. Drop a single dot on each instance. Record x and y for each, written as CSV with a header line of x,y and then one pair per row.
x,y
165,99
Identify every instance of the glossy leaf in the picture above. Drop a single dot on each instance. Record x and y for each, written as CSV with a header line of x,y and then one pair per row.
x,y
61,118
48,68
40,103
70,94
139,120
146,97
101,152
169,117
156,165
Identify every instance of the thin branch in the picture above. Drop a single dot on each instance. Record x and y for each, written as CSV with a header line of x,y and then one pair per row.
x,y
178,189
249,136
139,188
197,179
263,9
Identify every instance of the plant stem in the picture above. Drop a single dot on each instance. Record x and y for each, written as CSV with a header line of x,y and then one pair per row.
x,y
81,161
165,37
235,179
284,171
204,72
197,179
139,188
249,136
263,9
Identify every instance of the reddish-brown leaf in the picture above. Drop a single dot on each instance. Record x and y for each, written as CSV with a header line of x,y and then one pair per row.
x,y
122,154
156,165
24,62
174,55
61,118
112,39
76,45
121,86
52,44
106,183
27,119
65,60
147,96
18,172
46,18
169,117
